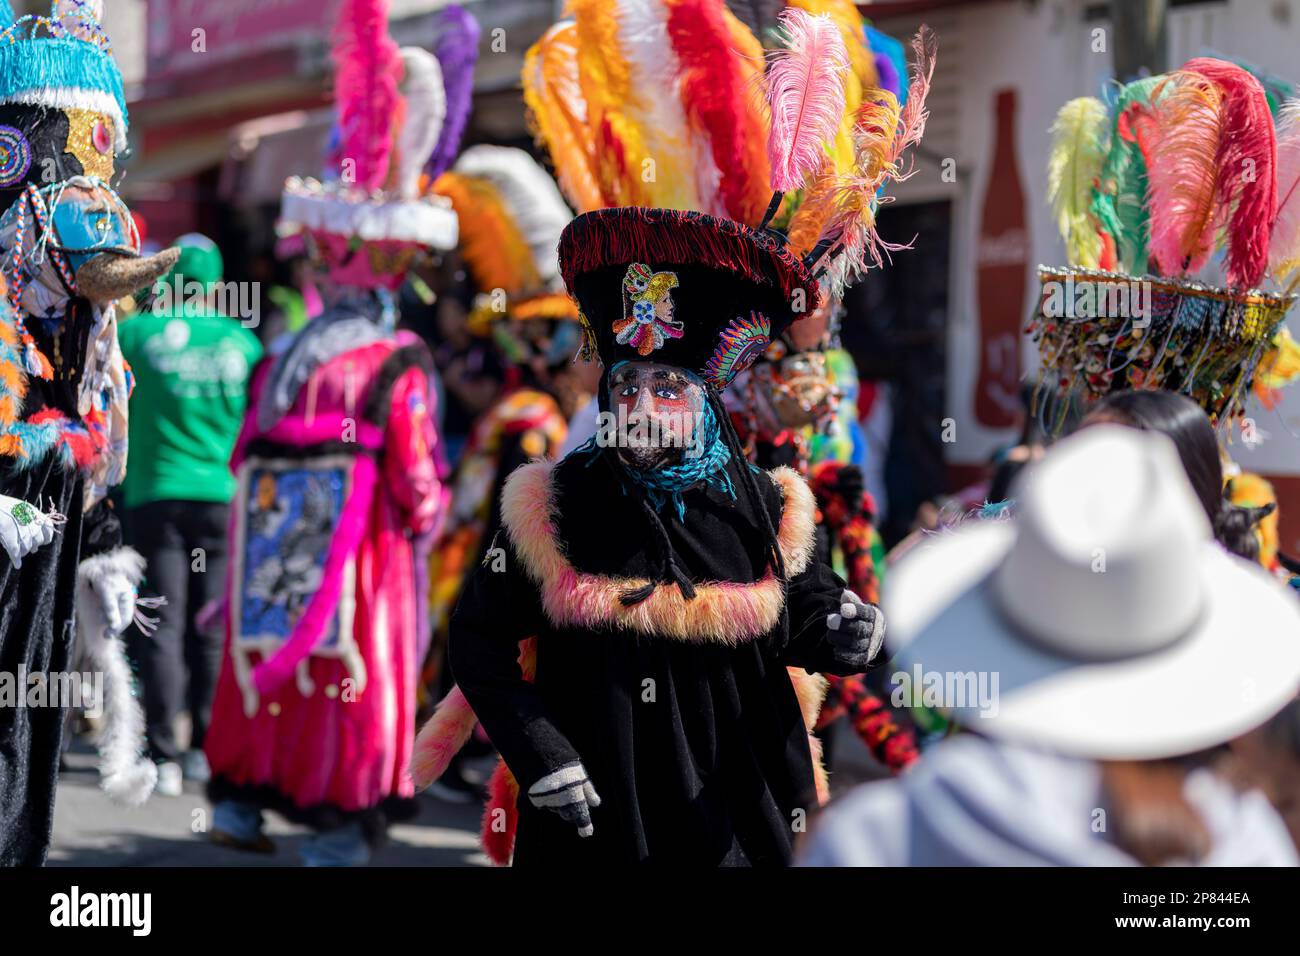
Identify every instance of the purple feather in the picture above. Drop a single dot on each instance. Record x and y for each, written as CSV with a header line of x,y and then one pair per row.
x,y
888,75
457,51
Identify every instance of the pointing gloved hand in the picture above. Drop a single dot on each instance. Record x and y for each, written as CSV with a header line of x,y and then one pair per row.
x,y
567,791
857,632
23,528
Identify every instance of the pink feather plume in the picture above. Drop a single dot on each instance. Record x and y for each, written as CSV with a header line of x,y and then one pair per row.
x,y
882,135
367,68
805,94
1284,244
1183,175
1247,194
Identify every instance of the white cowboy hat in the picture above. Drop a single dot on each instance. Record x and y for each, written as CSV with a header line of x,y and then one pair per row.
x,y
1113,624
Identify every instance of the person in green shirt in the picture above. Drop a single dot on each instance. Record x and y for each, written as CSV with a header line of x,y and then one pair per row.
x,y
192,365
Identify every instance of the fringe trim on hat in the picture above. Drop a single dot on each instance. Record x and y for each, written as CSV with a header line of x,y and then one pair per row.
x,y
661,237
721,613
63,74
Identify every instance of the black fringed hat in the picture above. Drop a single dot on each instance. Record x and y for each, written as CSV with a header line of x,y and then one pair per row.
x,y
682,288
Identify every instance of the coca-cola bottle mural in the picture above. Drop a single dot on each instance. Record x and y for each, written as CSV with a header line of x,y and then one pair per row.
x,y
1001,269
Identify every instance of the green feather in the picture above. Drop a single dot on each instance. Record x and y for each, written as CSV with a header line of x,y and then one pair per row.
x,y
1119,203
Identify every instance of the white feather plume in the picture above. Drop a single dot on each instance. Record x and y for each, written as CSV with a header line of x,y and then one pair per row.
x,y
531,196
426,110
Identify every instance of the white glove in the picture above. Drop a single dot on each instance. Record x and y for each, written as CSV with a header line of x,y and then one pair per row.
x,y
857,632
106,590
117,596
567,791
23,528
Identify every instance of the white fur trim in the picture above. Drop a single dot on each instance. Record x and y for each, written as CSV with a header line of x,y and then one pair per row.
x,y
72,98
309,204
124,560
125,775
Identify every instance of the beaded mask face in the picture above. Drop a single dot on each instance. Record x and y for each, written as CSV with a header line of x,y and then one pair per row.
x,y
44,146
656,413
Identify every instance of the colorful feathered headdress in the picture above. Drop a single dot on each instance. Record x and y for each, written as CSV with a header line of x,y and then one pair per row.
x,y
62,61
511,215
691,151
1180,174
394,120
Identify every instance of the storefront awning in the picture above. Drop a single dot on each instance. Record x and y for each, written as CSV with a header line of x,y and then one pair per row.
x,y
262,153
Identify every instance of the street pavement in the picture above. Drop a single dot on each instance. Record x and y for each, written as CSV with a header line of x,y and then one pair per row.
x,y
92,830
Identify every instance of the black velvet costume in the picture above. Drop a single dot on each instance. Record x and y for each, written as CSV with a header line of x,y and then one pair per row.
x,y
36,609
707,765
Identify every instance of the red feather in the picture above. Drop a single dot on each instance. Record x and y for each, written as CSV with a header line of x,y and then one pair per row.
x,y
715,94
367,68
1247,192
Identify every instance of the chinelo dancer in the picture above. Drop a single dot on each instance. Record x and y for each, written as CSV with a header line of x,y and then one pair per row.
x,y
660,585
339,487
70,250
788,409
796,406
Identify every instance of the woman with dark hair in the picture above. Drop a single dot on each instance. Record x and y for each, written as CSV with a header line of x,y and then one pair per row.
x,y
1182,421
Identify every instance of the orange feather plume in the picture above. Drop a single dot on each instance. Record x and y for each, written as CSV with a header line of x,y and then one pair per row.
x,y
495,249
558,114
1184,174
606,80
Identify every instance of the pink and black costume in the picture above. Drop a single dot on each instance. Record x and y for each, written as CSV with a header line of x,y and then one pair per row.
x,y
340,488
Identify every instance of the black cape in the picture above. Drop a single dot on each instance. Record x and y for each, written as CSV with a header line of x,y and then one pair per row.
x,y
37,623
697,748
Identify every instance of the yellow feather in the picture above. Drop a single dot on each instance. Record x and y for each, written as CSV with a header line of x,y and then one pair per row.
x,y
490,240
606,80
845,16
559,116
1073,169
814,208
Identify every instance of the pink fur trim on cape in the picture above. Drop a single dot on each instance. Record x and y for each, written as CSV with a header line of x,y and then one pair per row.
x,y
441,738
722,612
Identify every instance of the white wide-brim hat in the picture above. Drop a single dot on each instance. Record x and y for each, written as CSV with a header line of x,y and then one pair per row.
x,y
1113,624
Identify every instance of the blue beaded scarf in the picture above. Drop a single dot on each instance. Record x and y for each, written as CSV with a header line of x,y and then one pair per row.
x,y
705,461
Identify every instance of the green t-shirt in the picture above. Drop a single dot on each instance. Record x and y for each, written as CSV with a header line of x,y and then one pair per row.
x,y
191,388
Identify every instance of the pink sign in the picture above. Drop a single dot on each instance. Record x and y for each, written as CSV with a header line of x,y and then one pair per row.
x,y
193,34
